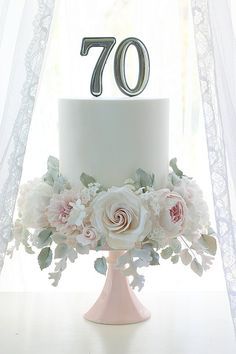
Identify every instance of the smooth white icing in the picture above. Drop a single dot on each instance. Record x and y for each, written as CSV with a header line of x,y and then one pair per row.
x,y
110,138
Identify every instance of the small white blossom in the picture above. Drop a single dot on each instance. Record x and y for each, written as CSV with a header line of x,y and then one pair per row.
x,y
77,213
89,193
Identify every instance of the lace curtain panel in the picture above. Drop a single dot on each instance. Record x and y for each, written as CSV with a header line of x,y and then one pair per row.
x,y
24,30
216,49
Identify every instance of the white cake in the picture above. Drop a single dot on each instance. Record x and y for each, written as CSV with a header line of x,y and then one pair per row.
x,y
110,139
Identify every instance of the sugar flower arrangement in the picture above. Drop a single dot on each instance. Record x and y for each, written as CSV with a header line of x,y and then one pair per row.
x,y
147,223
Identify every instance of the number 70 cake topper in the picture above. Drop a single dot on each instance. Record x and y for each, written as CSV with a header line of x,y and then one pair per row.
x,y
119,63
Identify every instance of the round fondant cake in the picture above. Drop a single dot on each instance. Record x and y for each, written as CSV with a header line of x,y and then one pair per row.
x,y
111,189
110,138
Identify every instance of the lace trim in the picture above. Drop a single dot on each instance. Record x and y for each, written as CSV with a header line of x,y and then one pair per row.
x,y
216,148
33,63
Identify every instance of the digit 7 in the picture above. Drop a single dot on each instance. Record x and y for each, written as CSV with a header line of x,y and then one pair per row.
x,y
107,43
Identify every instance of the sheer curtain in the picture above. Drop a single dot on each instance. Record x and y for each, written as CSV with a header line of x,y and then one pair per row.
x,y
174,74
24,29
216,49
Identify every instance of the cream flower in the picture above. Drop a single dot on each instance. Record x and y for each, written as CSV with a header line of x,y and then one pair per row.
x,y
170,212
65,211
33,200
89,236
121,217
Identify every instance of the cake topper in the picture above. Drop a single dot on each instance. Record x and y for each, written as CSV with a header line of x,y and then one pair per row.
x,y
119,63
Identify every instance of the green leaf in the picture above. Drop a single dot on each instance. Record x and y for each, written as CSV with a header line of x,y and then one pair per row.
x,y
175,180
86,179
29,250
58,238
166,252
196,267
143,178
100,265
155,257
56,276
72,255
44,238
173,165
45,257
174,259
209,244
175,244
100,244
26,244
52,170
53,165
185,257
61,250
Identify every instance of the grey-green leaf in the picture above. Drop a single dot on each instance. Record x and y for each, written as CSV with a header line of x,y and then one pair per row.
x,y
185,257
61,250
166,252
209,244
58,238
100,265
45,257
86,179
174,259
196,267
173,165
44,238
100,244
52,170
175,244
53,164
144,178
155,257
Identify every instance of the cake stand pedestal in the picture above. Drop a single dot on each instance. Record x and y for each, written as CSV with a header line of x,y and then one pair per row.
x,y
117,303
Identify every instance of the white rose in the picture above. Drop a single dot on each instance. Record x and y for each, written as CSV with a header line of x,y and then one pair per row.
x,y
170,212
121,217
33,200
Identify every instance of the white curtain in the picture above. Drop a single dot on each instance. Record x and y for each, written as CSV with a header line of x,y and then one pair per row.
x,y
216,49
67,74
24,30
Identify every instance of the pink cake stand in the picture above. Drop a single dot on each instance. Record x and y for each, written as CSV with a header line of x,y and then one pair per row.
x,y
117,303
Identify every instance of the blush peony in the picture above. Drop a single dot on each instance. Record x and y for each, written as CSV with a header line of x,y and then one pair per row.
x,y
65,211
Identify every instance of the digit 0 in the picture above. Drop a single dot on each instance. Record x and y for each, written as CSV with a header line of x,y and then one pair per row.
x,y
119,66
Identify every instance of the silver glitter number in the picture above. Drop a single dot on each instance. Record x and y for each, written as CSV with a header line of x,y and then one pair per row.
x,y
119,66
107,43
119,63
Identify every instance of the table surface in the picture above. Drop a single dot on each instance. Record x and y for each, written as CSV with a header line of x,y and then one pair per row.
x,y
181,323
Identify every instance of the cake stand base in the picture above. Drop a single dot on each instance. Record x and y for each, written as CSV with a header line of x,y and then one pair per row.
x,y
117,303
